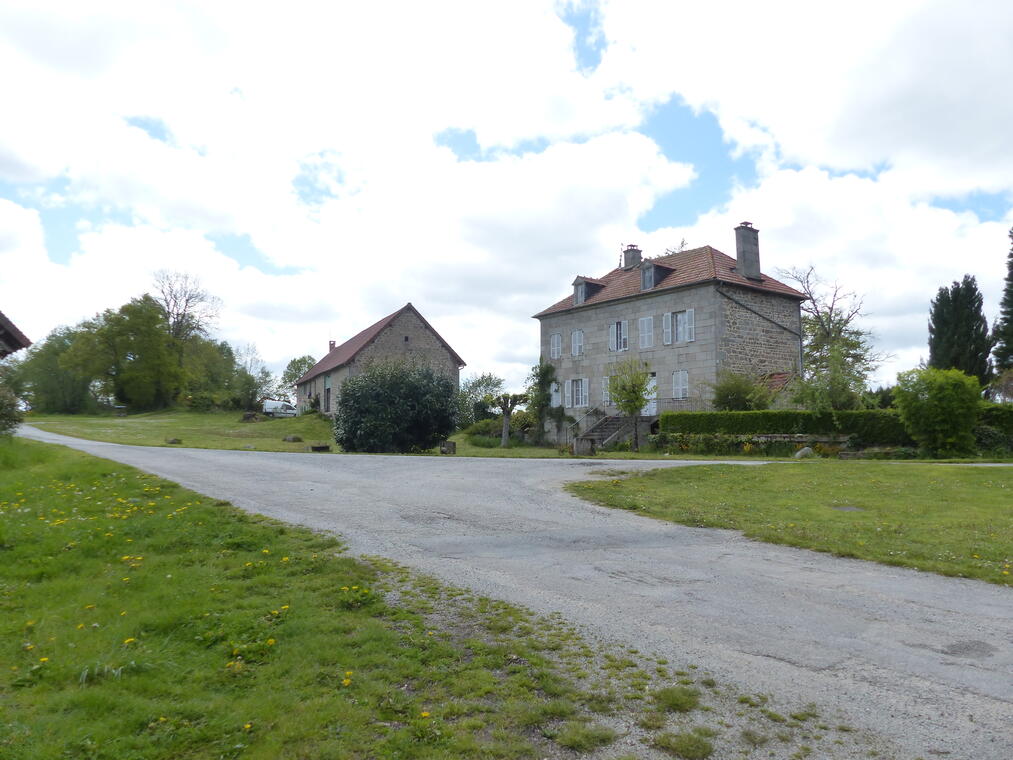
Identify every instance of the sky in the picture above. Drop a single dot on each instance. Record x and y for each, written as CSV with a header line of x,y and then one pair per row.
x,y
319,164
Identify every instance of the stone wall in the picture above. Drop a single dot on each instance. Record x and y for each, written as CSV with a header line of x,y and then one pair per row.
x,y
759,332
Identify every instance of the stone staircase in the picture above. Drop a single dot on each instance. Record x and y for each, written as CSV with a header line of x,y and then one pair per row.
x,y
606,430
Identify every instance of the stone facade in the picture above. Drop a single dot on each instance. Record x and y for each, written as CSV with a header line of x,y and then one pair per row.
x,y
742,325
403,336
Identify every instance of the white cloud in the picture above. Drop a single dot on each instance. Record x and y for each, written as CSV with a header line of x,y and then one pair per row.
x,y
351,97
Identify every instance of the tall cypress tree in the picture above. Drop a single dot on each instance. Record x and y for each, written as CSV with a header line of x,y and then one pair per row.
x,y
1002,330
958,331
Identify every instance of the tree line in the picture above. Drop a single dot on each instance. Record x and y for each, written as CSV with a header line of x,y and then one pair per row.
x,y
153,352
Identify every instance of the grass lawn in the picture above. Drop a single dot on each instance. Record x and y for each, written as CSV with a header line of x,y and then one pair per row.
x,y
142,620
200,430
954,520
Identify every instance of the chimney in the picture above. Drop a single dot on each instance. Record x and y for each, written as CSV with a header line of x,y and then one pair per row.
x,y
330,346
747,251
631,257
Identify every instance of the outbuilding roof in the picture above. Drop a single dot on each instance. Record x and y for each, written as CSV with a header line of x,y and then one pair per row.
x,y
347,351
11,338
679,269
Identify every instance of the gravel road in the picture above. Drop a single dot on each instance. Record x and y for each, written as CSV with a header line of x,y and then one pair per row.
x,y
923,661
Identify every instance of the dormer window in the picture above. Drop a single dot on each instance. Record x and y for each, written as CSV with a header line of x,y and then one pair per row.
x,y
579,293
647,276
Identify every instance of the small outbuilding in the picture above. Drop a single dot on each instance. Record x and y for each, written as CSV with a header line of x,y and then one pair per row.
x,y
404,335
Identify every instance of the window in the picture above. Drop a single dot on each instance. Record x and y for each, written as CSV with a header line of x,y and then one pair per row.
x,y
685,327
405,338
554,399
555,346
577,343
680,384
646,330
579,293
606,395
619,336
647,278
577,392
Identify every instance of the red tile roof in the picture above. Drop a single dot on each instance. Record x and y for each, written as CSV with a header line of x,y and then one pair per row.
x,y
683,268
343,354
11,338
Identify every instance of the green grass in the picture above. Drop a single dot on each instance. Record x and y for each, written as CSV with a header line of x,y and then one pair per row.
x,y
954,520
142,620
202,430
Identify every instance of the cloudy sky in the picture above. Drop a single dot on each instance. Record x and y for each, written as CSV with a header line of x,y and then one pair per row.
x,y
317,165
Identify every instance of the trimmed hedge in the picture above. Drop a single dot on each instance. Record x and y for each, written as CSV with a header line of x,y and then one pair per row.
x,y
998,416
868,426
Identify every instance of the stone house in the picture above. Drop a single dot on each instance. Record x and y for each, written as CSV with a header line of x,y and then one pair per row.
x,y
11,338
688,315
404,335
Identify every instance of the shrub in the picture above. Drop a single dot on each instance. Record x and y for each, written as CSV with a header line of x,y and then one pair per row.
x,y
10,413
988,439
394,407
998,416
739,393
721,444
939,408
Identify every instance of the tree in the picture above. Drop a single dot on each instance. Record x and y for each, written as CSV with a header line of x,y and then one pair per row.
x,y
628,387
293,371
46,383
395,407
939,409
540,381
506,403
253,381
10,412
189,310
739,393
131,354
958,331
837,355
470,398
1002,330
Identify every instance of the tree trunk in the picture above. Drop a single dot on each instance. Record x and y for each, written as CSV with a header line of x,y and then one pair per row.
x,y
636,430
504,440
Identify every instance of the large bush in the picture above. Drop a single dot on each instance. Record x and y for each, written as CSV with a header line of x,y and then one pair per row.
x,y
10,414
939,408
739,393
395,407
868,426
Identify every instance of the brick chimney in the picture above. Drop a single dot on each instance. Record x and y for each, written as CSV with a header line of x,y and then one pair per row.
x,y
747,251
330,346
631,257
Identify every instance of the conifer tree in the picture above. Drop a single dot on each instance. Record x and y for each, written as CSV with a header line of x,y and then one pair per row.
x,y
1002,330
958,331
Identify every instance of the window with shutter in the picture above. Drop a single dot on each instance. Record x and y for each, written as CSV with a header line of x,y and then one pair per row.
x,y
555,346
685,326
554,399
577,343
606,396
622,335
612,336
680,384
645,328
567,400
666,328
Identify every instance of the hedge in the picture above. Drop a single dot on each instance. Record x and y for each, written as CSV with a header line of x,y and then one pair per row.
x,y
880,427
998,416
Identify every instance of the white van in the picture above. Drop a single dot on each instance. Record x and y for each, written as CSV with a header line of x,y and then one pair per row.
x,y
279,409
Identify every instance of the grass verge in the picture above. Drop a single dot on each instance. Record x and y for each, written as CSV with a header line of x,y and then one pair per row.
x,y
952,520
142,620
200,430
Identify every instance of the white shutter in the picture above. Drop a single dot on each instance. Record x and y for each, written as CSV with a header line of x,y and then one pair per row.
x,y
585,391
680,384
566,394
690,325
612,336
666,327
554,395
625,341
606,397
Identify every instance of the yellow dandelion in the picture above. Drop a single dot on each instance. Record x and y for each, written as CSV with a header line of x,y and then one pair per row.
x,y
43,659
80,626
424,714
346,681
129,640
270,642
284,559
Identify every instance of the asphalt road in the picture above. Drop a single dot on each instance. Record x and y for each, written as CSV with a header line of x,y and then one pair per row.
x,y
925,662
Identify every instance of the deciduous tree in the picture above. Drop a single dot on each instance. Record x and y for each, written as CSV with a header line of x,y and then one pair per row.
x,y
293,371
628,386
506,403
